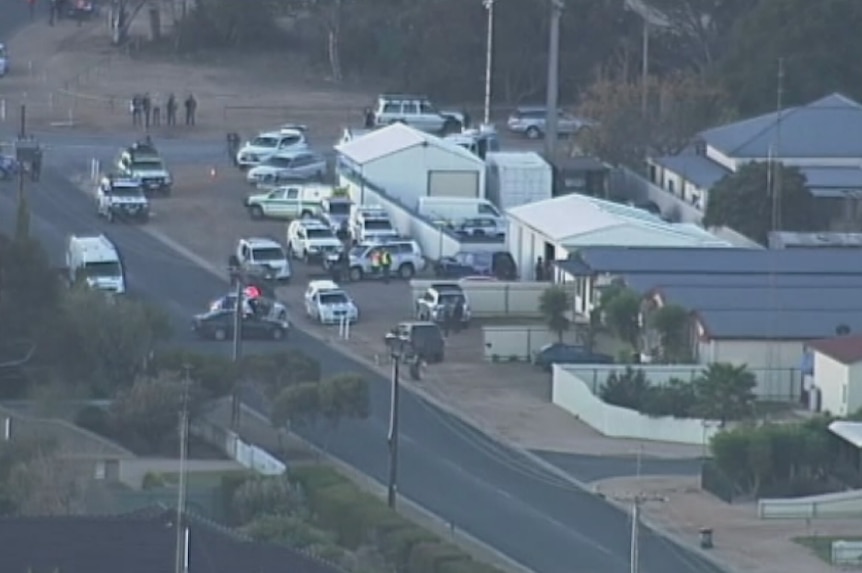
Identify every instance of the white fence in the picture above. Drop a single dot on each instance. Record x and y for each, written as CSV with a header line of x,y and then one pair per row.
x,y
493,298
517,343
573,395
252,457
783,387
436,242
827,506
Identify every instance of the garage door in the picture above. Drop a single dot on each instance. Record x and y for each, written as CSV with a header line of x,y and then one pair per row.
x,y
453,184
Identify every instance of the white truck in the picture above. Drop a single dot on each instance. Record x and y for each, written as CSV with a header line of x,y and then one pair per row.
x,y
517,178
94,260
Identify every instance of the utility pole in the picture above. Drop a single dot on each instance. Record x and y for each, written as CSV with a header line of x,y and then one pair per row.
x,y
237,352
645,69
634,553
489,58
181,541
392,491
776,164
553,80
22,222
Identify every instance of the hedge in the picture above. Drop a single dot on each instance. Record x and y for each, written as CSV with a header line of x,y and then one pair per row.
x,y
356,518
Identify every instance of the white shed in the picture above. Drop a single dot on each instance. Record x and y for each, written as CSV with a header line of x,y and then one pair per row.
x,y
409,164
555,228
836,374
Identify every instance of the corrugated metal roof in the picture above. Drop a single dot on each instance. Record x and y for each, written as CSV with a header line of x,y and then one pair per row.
x,y
620,260
845,349
644,283
850,432
834,182
777,325
516,159
789,240
578,220
393,138
828,127
699,170
761,297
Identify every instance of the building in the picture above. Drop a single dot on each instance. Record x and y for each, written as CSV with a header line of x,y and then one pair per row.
x,y
822,138
790,240
409,164
557,228
143,542
833,376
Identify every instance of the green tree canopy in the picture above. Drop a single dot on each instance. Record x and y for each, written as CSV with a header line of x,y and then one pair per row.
x,y
673,324
555,303
743,202
725,392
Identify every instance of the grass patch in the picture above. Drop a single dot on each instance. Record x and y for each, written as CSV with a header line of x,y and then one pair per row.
x,y
822,546
196,479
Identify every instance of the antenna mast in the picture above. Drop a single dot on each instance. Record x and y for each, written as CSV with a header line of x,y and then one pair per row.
x,y
775,163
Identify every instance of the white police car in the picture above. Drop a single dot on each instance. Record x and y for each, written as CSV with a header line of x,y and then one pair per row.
x,y
269,143
4,60
327,303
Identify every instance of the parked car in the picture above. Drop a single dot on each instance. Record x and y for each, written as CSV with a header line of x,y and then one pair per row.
x,y
431,305
560,353
263,257
499,264
490,227
406,255
417,112
328,303
425,339
531,121
294,165
312,240
269,143
261,318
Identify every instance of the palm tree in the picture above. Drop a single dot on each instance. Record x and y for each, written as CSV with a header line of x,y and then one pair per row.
x,y
554,304
725,392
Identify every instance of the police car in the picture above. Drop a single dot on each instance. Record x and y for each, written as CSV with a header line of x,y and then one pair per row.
x,y
260,317
4,60
142,161
121,197
270,143
327,303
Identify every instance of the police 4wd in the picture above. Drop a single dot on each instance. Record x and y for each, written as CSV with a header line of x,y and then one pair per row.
x,y
417,112
142,161
119,197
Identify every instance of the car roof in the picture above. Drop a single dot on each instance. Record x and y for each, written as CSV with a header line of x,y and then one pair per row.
x,y
312,224
282,133
292,154
323,284
261,242
418,323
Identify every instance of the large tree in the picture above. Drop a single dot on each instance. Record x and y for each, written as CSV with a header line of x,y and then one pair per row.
x,y
819,42
743,201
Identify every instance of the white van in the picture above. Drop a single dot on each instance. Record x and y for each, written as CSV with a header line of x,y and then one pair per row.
x,y
456,208
95,261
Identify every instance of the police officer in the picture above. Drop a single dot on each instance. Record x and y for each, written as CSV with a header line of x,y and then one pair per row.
x,y
386,264
375,263
171,110
36,170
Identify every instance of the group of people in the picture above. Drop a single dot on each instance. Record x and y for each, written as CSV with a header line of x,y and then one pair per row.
x,y
381,263
543,270
146,110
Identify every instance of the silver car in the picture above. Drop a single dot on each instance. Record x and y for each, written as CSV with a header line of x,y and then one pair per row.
x,y
531,120
287,166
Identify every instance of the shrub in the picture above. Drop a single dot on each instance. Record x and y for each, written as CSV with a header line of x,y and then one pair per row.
x,y
227,488
288,530
397,544
264,495
464,565
427,557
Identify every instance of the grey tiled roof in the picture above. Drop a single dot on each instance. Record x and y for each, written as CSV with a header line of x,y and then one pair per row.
x,y
828,127
644,283
699,170
777,325
713,261
756,298
830,182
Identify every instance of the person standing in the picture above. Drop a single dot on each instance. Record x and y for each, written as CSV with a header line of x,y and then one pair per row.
x,y
146,108
458,316
157,110
446,319
540,270
136,110
171,110
386,265
191,107
375,263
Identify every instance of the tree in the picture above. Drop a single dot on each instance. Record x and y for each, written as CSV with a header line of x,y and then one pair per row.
x,y
265,495
339,397
106,343
214,374
626,390
555,303
297,405
145,416
815,41
622,316
673,324
678,106
276,371
29,289
743,202
725,392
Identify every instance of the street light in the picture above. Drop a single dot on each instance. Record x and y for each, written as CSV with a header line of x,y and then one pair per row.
x,y
489,58
399,349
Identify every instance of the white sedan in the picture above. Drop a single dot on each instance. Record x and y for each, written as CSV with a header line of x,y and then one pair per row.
x,y
291,166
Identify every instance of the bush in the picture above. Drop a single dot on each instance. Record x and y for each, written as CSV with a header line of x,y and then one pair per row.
x,y
264,495
287,530
427,557
396,544
230,483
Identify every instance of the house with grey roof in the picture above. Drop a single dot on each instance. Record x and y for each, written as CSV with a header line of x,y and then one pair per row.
x,y
822,138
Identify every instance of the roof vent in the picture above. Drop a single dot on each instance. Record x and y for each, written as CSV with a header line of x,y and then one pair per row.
x,y
842,330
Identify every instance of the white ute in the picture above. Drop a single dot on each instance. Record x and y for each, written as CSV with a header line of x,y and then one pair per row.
x,y
94,261
269,143
310,240
263,256
327,303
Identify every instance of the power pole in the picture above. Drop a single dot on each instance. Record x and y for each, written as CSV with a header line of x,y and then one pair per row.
x,y
777,190
181,545
634,553
22,222
237,353
395,396
553,80
489,59
645,69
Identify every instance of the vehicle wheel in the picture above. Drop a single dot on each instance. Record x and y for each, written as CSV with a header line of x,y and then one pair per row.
x,y
406,271
278,334
306,214
533,132
355,274
256,212
220,334
305,256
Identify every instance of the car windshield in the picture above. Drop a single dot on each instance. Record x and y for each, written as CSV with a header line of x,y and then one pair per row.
x,y
126,191
144,163
378,225
319,233
264,141
109,269
333,298
268,254
451,297
278,162
358,251
339,208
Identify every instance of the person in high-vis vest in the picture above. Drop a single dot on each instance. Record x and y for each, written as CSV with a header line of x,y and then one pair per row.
x,y
386,264
375,263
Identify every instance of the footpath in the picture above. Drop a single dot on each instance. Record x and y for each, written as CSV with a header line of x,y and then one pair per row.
x,y
54,67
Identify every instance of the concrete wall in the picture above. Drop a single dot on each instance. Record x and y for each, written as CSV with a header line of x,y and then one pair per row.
x,y
831,505
572,394
780,388
777,361
490,299
518,342
435,241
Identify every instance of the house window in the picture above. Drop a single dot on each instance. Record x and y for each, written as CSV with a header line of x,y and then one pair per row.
x,y
670,186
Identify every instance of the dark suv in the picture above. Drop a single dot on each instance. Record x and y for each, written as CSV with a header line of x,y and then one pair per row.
x,y
425,338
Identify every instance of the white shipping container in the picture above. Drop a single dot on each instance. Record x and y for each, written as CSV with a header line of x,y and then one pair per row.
x,y
517,178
